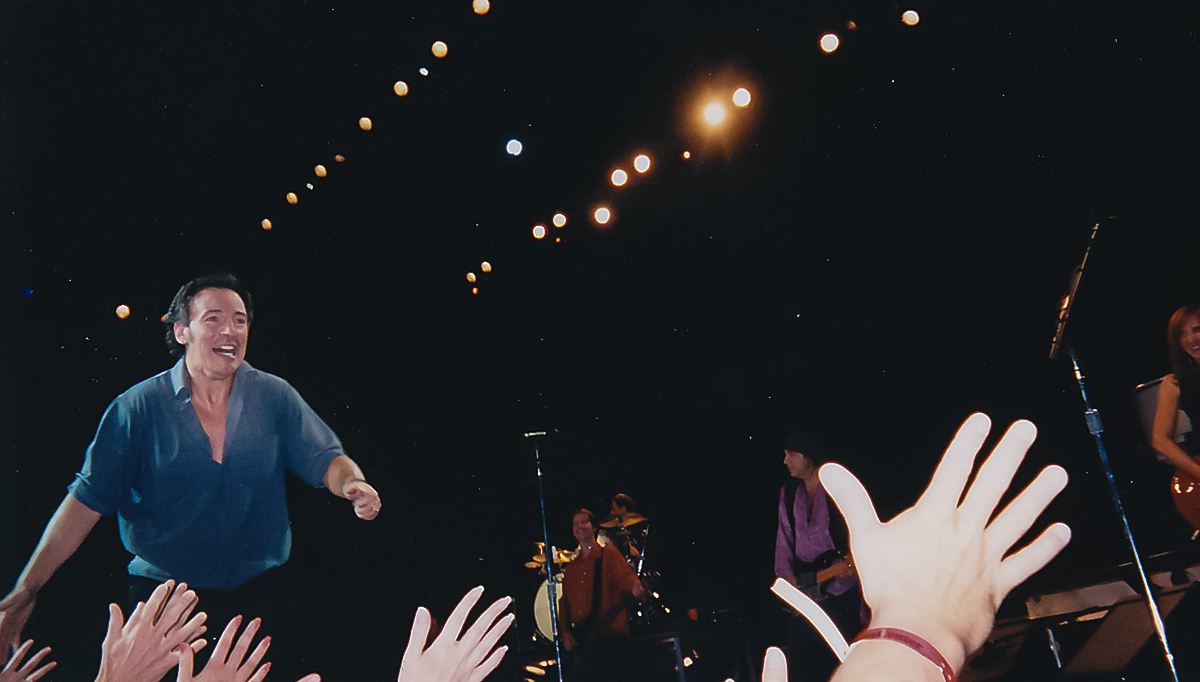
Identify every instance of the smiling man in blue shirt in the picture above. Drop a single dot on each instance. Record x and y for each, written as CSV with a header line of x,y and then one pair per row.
x,y
192,461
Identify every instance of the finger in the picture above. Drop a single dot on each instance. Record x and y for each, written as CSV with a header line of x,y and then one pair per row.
x,y
115,622
489,640
484,669
850,497
310,678
177,608
260,674
157,600
353,492
1016,568
41,672
997,472
774,666
485,620
416,638
186,661
256,656
455,622
221,651
192,629
19,654
31,663
1019,515
243,642
198,645
951,475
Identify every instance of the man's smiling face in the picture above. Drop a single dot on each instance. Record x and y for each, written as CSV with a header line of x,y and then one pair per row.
x,y
216,333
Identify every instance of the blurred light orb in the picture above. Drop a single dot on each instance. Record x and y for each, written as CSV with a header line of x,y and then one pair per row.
x,y
339,158
741,97
485,266
558,240
560,219
122,311
471,277
539,231
602,215
400,88
320,171
619,177
292,198
439,49
308,185
424,71
829,42
910,18
364,123
851,25
514,147
687,155
714,113
481,7
475,290
641,163
266,223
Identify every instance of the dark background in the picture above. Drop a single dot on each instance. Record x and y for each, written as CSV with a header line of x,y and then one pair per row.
x,y
873,249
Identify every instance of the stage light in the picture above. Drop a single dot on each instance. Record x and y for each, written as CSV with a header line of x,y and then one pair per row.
x,y
308,185
423,71
339,158
439,49
471,277
481,7
539,231
851,25
560,219
400,88
485,266
266,223
641,163
619,177
910,17
714,113
829,42
558,240
514,147
602,215
687,661
687,155
122,311
292,198
364,123
320,171
741,97
475,291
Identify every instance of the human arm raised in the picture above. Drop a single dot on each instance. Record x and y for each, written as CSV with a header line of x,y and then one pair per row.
x,y
345,479
144,648
1162,436
64,533
938,570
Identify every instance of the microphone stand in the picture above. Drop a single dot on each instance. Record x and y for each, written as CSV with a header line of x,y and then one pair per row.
x,y
551,588
1096,428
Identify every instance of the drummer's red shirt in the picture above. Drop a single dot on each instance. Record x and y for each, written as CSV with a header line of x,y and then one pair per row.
x,y
578,588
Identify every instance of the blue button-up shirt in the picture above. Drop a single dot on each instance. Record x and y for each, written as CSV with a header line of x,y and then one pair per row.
x,y
183,515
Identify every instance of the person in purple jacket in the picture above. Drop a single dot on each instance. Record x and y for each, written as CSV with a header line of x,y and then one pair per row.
x,y
810,553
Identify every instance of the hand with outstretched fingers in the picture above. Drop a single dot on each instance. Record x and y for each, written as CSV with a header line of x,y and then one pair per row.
x,y
144,649
13,671
452,658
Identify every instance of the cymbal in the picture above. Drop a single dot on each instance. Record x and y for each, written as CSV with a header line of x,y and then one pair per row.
x,y
563,557
630,519
534,564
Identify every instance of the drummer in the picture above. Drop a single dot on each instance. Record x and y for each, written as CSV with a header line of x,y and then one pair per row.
x,y
621,526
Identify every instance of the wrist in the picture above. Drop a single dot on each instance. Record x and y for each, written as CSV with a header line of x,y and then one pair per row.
x,y
951,647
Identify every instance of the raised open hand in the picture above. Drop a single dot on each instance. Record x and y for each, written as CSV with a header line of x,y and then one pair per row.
x,y
451,658
143,649
13,671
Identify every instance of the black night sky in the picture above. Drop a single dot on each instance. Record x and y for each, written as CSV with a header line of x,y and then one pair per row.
x,y
873,249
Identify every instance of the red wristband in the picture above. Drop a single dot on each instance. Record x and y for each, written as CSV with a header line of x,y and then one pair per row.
x,y
915,643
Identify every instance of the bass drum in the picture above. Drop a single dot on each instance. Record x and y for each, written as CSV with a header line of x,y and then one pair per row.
x,y
541,606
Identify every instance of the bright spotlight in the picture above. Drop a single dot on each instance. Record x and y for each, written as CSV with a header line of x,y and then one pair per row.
x,y
400,88
439,49
619,177
687,155
560,219
539,231
641,163
829,42
122,311
514,147
481,7
485,266
602,215
714,113
741,97
911,18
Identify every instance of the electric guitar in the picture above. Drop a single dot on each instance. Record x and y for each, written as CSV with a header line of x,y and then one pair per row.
x,y
811,576
1185,490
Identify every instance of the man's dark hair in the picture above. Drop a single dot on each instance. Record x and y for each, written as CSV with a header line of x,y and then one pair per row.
x,y
181,306
806,444
591,519
623,500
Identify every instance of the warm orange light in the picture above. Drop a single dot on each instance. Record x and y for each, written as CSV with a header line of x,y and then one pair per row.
x,y
539,231
910,18
471,277
292,198
641,163
829,42
339,158
474,290
485,266
320,171
400,88
619,177
851,25
364,123
439,49
687,155
558,240
714,113
266,223
481,7
741,97
122,311
602,215
560,219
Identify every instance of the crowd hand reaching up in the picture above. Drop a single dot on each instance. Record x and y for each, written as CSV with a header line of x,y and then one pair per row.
x,y
15,672
15,610
451,658
144,649
938,570
231,666
774,666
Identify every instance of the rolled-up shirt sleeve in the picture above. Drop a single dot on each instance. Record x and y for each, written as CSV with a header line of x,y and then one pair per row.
x,y
105,479
310,445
